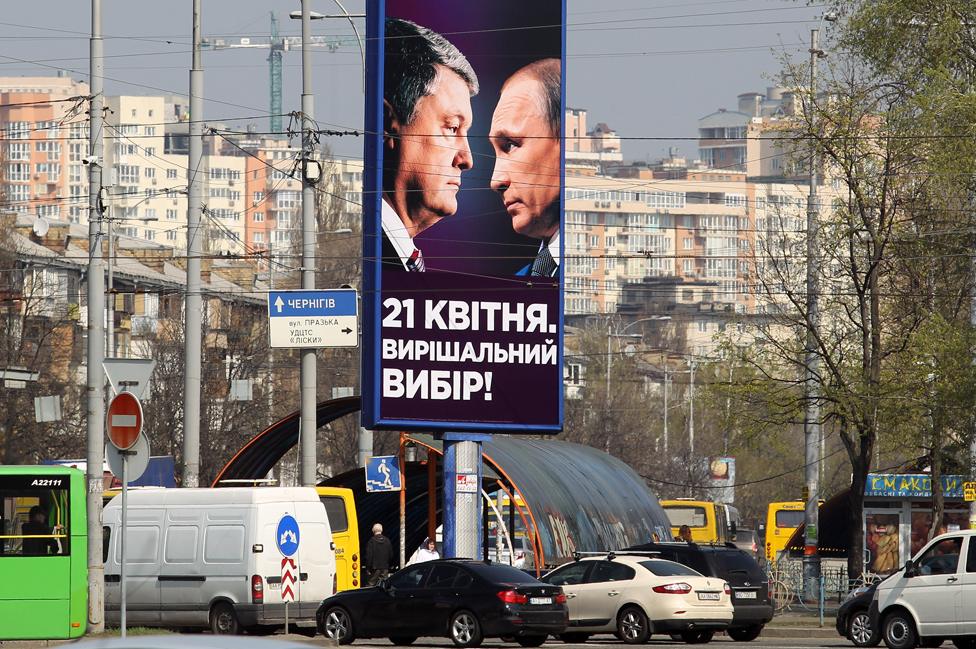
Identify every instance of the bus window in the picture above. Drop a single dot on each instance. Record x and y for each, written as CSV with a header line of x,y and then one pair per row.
x,y
690,516
35,521
335,509
788,519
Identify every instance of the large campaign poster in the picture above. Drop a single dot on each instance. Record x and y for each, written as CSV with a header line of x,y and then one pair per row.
x,y
463,190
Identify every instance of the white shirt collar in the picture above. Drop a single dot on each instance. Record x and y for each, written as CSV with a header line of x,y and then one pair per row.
x,y
553,247
397,233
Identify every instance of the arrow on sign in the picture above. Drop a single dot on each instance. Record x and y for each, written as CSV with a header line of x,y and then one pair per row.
x,y
279,303
347,330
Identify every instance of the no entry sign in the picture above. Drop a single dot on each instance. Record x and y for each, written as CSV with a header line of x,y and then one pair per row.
x,y
124,420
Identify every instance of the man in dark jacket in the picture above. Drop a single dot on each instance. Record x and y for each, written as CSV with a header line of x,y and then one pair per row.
x,y
379,556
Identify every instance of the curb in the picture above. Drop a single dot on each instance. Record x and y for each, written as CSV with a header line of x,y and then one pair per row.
x,y
800,632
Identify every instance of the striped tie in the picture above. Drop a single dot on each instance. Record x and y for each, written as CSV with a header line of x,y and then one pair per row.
x,y
415,264
544,265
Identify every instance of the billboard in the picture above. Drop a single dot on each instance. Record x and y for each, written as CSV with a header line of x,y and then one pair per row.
x,y
462,195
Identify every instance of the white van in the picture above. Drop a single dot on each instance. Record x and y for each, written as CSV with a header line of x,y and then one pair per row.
x,y
933,598
209,558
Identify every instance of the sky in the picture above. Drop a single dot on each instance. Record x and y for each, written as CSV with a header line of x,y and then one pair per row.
x,y
648,68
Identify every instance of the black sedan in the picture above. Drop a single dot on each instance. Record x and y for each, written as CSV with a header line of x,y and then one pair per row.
x,y
853,621
464,600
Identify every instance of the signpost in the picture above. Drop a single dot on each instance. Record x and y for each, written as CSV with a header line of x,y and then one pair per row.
x,y
124,431
383,474
309,319
287,538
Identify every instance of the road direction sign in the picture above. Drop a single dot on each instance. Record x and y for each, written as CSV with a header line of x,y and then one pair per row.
x,y
304,319
287,535
383,473
138,457
289,574
124,420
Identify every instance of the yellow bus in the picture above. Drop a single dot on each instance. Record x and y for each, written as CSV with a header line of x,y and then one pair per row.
x,y
782,519
340,506
710,522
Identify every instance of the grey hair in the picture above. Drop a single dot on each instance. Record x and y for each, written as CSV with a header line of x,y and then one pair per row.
x,y
411,59
548,72
377,528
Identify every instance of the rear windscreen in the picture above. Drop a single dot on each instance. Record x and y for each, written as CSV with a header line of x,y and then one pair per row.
x,y
690,516
789,519
335,509
669,569
503,574
737,562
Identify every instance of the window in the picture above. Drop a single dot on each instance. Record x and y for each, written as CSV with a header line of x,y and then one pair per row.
x,y
789,519
687,243
411,577
28,511
691,516
259,237
171,235
569,575
662,568
702,326
942,558
150,172
442,576
258,197
150,130
610,571
171,173
223,544
258,217
171,215
688,265
335,510
971,558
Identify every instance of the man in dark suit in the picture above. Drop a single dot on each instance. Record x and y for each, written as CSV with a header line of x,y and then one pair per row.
x,y
427,90
525,133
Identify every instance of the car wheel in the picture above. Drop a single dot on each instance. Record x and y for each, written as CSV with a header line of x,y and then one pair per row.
x,y
697,637
403,640
633,627
465,630
223,619
574,637
932,643
745,633
899,631
860,632
337,624
531,640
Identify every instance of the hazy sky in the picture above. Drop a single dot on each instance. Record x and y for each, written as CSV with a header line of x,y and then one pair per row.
x,y
649,68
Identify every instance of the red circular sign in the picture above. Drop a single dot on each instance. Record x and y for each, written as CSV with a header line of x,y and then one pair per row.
x,y
124,420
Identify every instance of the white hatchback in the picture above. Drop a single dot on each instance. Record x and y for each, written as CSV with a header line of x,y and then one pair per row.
x,y
635,595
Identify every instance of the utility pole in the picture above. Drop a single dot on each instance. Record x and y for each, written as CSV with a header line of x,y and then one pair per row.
x,y
666,381
811,422
691,411
193,304
96,333
110,322
310,174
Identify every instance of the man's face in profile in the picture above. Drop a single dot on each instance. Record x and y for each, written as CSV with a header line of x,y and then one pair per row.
x,y
526,159
433,150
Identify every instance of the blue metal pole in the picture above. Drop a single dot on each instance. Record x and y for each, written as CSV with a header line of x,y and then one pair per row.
x,y
462,494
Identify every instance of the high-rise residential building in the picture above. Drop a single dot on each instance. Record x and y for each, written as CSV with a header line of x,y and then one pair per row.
x,y
44,132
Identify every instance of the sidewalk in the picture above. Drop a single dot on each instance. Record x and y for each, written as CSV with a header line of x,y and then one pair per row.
x,y
801,625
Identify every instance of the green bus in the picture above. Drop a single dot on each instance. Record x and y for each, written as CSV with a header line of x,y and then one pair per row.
x,y
43,553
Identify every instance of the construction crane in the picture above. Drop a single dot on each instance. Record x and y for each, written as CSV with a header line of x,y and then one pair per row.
x,y
277,44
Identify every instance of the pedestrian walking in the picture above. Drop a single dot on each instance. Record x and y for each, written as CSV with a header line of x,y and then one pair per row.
x,y
379,556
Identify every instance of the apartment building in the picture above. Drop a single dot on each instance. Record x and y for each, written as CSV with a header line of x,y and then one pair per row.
x,y
44,136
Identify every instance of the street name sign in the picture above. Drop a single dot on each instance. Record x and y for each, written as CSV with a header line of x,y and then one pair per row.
x,y
309,319
124,420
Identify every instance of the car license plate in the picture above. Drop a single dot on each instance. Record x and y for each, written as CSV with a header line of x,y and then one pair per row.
x,y
709,596
274,585
745,594
540,600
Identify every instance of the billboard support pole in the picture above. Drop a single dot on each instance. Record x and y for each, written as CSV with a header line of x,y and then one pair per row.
x,y
462,498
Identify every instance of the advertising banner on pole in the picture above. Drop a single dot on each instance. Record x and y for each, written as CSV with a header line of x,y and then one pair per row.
x,y
463,216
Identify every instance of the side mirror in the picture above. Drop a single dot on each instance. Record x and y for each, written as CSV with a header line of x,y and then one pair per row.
x,y
909,569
